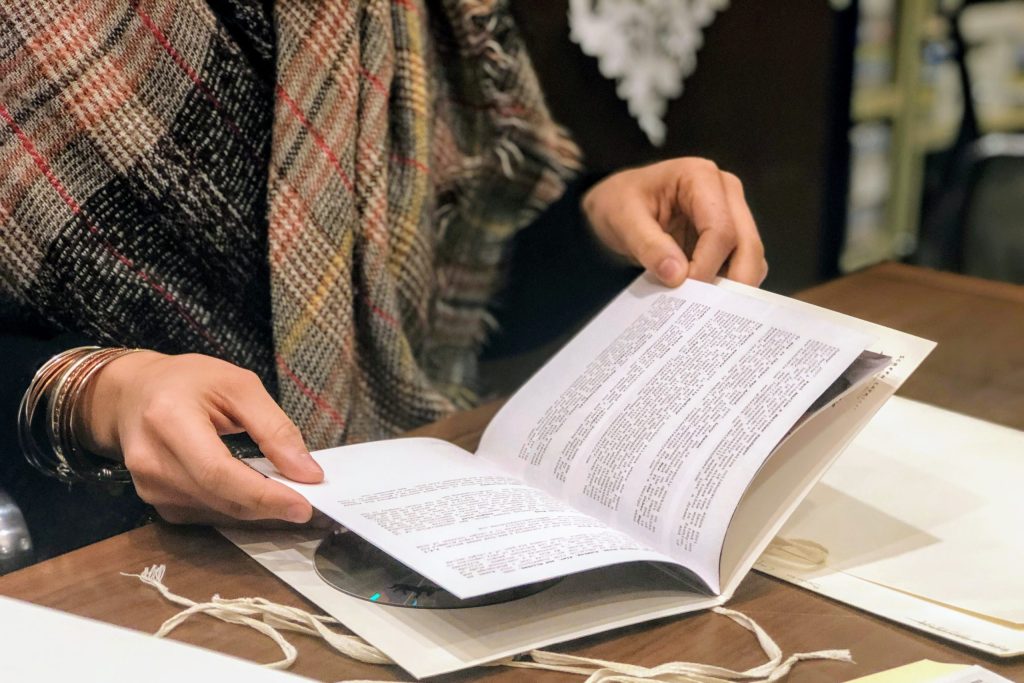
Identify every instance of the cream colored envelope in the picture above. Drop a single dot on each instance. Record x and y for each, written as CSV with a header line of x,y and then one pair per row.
x,y
921,518
927,671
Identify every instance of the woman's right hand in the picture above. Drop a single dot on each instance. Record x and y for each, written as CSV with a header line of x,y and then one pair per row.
x,y
163,415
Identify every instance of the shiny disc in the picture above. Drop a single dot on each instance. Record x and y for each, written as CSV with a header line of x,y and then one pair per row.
x,y
360,569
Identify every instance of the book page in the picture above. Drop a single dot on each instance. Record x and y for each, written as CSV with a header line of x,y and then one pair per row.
x,y
805,455
457,519
656,417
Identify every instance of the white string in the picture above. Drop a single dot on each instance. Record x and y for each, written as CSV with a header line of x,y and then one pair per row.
x,y
273,618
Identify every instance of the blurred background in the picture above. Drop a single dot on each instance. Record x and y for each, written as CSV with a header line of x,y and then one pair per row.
x,y
863,131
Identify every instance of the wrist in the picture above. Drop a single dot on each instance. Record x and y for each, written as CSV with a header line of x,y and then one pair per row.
x,y
97,411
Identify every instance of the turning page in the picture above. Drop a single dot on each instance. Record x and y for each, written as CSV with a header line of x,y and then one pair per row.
x,y
656,417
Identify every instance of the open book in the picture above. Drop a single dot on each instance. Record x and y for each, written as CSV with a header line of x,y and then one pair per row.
x,y
678,430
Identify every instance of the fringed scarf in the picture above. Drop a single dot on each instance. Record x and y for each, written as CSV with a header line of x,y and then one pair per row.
x,y
319,190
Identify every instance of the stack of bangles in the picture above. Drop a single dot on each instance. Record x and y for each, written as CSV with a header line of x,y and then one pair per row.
x,y
55,391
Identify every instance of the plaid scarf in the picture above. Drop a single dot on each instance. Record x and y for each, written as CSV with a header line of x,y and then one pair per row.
x,y
319,190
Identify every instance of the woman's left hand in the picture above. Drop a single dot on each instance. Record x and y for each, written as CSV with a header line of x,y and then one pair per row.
x,y
679,218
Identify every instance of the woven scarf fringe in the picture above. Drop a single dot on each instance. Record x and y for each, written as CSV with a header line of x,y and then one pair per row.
x,y
482,22
538,149
270,619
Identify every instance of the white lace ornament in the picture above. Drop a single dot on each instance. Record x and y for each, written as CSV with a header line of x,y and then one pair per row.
x,y
267,617
648,46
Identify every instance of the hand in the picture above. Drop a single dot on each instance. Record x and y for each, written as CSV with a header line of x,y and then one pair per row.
x,y
162,416
679,218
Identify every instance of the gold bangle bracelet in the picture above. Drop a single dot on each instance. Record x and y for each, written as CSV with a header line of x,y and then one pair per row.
x,y
43,459
60,384
85,464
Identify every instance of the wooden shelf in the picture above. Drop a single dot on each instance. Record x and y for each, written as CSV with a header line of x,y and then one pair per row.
x,y
877,102
1009,121
899,105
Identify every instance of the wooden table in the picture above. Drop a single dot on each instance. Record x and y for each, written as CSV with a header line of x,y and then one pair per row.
x,y
977,369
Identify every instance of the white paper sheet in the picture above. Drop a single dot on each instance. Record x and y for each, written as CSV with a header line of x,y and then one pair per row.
x,y
41,644
920,518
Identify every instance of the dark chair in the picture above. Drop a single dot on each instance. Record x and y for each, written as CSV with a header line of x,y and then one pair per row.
x,y
973,216
992,223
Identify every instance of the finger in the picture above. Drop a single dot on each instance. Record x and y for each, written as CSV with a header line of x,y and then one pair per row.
x,y
189,511
645,240
248,404
164,484
682,232
713,249
747,263
318,521
223,483
197,514
702,194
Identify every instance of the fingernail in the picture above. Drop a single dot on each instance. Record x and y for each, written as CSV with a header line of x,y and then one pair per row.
x,y
670,270
316,466
313,469
299,514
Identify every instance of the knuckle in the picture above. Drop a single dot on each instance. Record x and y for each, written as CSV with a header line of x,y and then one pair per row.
x,y
236,510
284,430
249,377
732,182
250,508
724,236
157,408
151,492
141,462
212,475
258,503
618,213
701,165
244,380
144,489
197,362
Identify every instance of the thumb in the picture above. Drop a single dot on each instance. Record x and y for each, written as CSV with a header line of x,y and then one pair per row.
x,y
276,435
283,445
646,241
